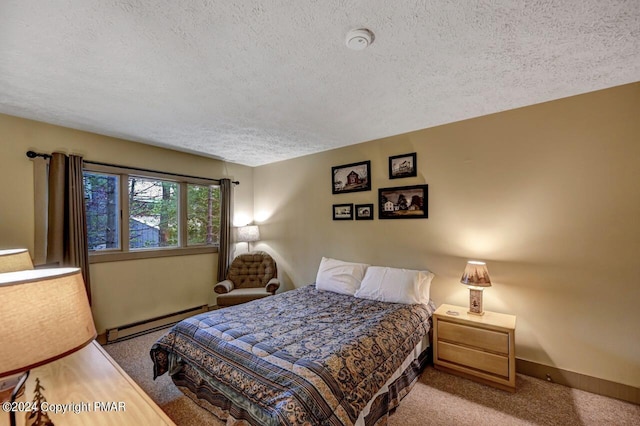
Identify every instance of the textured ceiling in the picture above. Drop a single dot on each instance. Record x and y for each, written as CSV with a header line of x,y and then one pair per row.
x,y
253,82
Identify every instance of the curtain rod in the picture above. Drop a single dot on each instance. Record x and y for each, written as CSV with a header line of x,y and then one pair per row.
x,y
33,154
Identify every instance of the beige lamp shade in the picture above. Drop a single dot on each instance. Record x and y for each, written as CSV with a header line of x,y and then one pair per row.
x,y
476,274
44,315
248,233
15,260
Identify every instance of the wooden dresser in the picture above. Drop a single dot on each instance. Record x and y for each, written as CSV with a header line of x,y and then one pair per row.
x,y
95,391
479,347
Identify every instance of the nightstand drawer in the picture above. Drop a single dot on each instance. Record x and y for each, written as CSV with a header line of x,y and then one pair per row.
x,y
489,340
471,358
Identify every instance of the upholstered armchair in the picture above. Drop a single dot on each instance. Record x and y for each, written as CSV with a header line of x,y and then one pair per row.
x,y
251,276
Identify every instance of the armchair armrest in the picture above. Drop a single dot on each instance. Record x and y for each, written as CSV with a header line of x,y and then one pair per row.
x,y
273,285
223,287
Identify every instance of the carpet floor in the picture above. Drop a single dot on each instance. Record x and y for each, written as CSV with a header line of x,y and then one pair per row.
x,y
437,399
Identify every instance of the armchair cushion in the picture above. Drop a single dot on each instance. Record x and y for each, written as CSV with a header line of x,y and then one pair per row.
x,y
253,269
241,295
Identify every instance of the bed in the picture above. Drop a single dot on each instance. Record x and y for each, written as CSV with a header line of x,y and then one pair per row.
x,y
302,357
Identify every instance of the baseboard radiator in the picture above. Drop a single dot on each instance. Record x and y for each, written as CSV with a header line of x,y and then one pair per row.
x,y
146,326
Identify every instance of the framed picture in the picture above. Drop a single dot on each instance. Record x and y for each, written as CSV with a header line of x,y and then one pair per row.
x,y
364,211
403,202
343,212
402,166
351,177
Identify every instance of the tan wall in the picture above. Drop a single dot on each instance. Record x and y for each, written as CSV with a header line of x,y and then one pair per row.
x,y
548,195
123,292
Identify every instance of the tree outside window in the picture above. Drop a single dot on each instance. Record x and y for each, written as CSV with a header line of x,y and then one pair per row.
x,y
155,219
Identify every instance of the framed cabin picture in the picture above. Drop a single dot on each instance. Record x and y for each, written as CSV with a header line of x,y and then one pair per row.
x,y
364,211
402,166
352,177
343,212
403,202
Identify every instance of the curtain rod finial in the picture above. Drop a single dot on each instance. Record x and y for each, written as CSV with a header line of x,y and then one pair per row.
x,y
33,154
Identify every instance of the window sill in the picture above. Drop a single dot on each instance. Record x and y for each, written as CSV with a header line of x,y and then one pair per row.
x,y
148,254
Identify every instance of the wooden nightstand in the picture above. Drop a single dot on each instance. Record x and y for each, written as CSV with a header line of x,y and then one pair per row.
x,y
480,348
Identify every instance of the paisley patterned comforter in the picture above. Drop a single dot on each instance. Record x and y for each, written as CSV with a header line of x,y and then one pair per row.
x,y
301,357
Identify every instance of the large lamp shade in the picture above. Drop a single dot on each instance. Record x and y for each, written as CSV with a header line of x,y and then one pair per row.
x,y
45,315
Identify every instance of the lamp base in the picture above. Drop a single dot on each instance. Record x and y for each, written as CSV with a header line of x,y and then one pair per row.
x,y
14,395
475,302
7,385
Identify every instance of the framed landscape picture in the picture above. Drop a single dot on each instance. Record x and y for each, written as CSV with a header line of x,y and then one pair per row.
x,y
351,177
343,212
401,166
364,211
403,202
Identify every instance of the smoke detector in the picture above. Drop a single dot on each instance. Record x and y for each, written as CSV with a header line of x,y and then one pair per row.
x,y
359,39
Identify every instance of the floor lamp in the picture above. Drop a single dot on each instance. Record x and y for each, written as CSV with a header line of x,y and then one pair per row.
x,y
248,234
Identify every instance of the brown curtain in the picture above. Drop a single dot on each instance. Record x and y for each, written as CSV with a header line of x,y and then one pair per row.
x,y
40,204
67,220
224,251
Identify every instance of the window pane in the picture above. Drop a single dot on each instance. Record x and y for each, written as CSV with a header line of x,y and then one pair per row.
x,y
203,214
101,201
153,213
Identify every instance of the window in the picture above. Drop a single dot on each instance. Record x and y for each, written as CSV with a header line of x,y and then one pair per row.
x,y
165,217
153,213
103,211
203,214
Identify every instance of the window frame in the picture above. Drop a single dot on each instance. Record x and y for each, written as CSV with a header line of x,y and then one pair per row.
x,y
124,252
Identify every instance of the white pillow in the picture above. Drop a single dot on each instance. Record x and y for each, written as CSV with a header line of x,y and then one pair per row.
x,y
395,285
340,277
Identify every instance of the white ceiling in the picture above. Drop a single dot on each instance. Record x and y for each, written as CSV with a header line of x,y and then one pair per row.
x,y
254,82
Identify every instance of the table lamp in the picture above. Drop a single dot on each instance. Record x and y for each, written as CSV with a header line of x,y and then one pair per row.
x,y
247,234
45,316
476,276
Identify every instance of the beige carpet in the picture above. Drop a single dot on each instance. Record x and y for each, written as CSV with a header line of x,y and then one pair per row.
x,y
437,399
